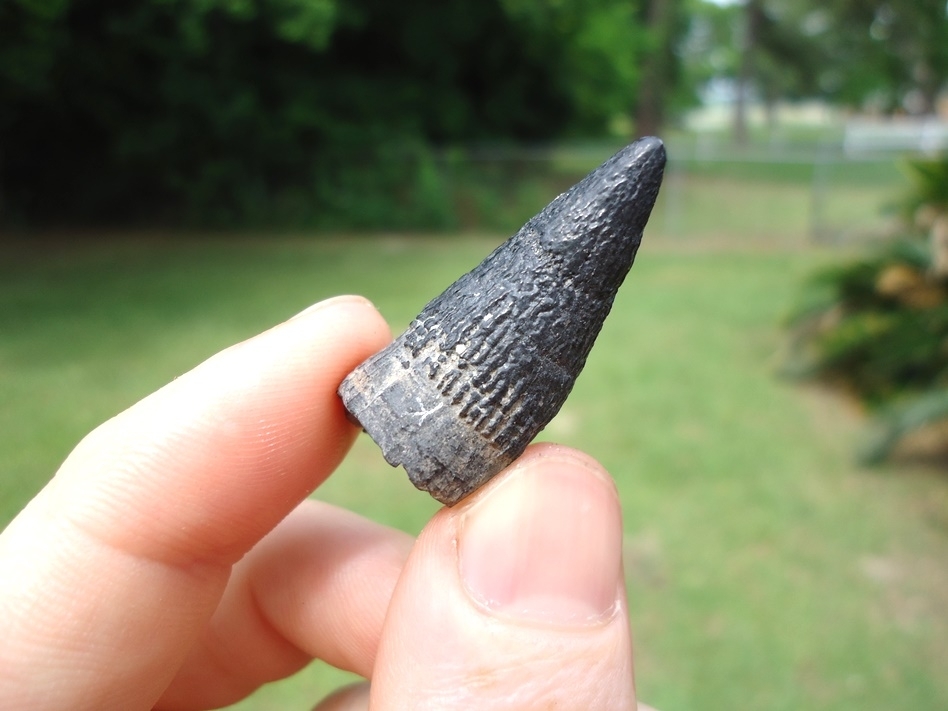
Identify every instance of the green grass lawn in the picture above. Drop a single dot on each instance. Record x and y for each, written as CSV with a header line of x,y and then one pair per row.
x,y
766,571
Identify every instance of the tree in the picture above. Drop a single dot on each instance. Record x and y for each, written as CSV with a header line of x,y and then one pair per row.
x,y
890,54
227,110
761,46
883,55
661,75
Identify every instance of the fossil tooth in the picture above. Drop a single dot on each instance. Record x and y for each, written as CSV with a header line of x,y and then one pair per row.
x,y
488,363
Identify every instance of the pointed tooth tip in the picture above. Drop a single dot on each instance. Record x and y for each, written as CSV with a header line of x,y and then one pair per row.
x,y
649,147
642,160
651,142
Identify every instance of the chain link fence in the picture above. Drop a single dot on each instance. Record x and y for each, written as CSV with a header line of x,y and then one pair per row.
x,y
785,190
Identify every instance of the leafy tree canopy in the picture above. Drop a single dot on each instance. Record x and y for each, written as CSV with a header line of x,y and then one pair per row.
x,y
889,55
223,109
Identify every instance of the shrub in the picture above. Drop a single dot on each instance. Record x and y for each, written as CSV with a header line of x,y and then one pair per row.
x,y
878,326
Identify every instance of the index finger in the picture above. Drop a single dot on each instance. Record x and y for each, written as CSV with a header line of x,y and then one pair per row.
x,y
108,575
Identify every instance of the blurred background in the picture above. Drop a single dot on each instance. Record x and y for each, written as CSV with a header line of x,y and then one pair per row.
x,y
769,392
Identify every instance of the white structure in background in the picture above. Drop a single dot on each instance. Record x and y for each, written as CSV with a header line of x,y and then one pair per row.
x,y
927,135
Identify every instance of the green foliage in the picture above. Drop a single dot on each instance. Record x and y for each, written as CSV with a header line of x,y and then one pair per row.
x,y
30,35
767,41
888,55
597,45
295,112
309,23
712,45
929,186
901,419
892,54
878,325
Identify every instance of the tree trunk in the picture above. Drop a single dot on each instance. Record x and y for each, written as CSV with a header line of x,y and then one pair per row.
x,y
753,14
650,110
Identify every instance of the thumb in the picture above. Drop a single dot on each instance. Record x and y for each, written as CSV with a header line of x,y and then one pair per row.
x,y
514,599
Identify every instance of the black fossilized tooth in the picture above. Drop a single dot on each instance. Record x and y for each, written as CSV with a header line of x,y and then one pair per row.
x,y
486,365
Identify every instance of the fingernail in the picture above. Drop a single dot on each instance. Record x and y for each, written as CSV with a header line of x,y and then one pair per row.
x,y
349,698
545,544
334,301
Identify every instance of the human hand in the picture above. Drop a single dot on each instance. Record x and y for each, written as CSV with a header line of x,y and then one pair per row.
x,y
174,562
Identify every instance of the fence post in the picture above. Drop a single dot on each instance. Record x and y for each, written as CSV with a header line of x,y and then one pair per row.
x,y
672,190
819,190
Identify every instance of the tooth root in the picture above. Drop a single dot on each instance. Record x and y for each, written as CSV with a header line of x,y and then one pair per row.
x,y
488,363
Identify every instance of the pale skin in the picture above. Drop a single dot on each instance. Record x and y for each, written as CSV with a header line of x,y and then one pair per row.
x,y
175,562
